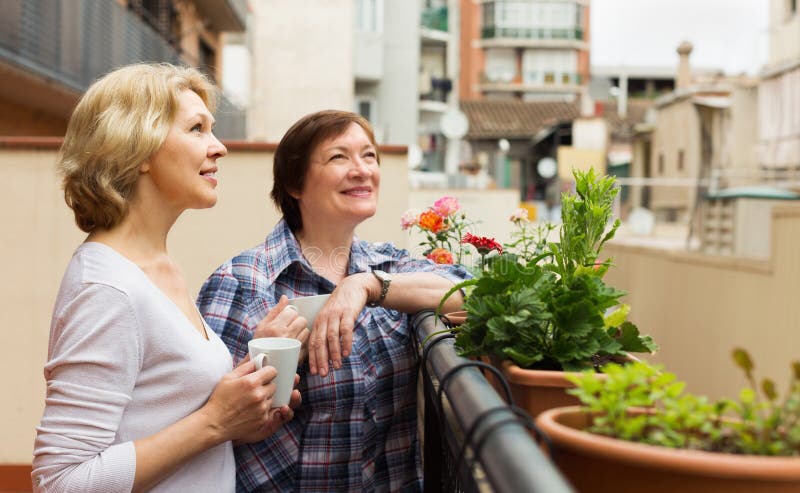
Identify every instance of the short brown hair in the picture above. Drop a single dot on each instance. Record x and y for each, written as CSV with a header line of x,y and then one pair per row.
x,y
121,120
293,156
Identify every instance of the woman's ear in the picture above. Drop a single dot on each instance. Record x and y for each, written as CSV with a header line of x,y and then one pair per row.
x,y
144,168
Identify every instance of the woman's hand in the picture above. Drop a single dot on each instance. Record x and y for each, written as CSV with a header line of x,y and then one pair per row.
x,y
284,321
277,417
239,407
332,336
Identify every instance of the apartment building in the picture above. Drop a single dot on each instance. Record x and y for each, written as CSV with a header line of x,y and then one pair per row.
x,y
530,50
51,51
779,95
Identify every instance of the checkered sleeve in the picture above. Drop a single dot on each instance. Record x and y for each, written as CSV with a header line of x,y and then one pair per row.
x,y
223,305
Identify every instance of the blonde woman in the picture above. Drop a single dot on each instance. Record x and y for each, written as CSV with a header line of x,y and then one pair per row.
x,y
141,394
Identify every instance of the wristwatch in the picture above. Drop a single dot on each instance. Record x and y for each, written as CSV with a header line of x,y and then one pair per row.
x,y
386,281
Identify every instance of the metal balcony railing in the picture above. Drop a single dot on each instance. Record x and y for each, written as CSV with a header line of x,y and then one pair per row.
x,y
499,455
73,43
435,18
544,33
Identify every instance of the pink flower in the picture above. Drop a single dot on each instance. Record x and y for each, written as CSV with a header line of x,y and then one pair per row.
x,y
519,215
446,206
440,256
483,244
409,218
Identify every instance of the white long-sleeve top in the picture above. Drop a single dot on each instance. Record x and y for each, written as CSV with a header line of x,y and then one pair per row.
x,y
124,362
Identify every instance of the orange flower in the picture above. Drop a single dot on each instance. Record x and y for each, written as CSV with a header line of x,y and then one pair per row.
x,y
431,221
440,256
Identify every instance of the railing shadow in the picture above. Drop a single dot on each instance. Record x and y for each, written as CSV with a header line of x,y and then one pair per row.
x,y
472,440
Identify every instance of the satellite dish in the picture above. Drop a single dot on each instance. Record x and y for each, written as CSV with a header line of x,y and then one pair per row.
x,y
547,167
504,145
414,156
454,124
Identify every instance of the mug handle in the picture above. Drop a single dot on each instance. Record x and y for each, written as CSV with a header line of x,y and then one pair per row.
x,y
261,360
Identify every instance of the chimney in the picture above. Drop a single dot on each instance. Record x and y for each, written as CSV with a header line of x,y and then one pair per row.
x,y
684,78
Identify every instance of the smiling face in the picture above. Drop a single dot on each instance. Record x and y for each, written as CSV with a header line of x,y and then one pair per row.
x,y
342,182
182,172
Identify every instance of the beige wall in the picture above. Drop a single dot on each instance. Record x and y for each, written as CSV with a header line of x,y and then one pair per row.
x,y
39,236
784,33
298,66
698,308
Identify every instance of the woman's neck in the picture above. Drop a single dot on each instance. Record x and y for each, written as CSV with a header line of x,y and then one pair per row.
x,y
327,250
141,235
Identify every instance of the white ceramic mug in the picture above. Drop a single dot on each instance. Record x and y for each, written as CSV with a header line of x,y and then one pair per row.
x,y
280,353
309,306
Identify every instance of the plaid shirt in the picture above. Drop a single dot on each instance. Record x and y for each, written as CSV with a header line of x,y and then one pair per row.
x,y
356,429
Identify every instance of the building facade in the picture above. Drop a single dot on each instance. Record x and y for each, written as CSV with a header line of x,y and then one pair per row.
x,y
534,50
779,96
51,51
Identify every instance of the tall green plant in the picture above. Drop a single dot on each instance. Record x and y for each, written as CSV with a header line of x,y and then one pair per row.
x,y
554,311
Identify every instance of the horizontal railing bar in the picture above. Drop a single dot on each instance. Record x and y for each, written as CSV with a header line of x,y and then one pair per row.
x,y
510,458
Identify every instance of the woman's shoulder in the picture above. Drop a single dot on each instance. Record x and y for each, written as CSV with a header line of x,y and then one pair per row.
x,y
95,264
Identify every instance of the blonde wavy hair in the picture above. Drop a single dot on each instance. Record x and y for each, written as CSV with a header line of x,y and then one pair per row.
x,y
121,120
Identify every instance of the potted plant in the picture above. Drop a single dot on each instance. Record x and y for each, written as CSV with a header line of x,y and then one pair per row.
x,y
542,309
639,431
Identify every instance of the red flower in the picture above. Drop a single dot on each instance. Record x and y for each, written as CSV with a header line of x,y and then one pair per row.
x,y
440,256
482,243
431,221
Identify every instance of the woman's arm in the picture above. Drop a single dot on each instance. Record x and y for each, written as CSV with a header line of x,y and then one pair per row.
x,y
409,292
95,358
239,409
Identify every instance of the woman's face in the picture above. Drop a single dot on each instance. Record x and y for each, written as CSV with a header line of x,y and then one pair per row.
x,y
342,182
183,170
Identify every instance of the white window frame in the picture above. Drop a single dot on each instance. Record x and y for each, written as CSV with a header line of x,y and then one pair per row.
x,y
366,11
373,108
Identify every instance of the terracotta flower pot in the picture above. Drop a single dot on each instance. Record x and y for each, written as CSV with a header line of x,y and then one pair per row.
x,y
536,391
454,319
594,463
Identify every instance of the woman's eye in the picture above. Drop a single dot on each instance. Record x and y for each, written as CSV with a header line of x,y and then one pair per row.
x,y
370,155
337,156
198,127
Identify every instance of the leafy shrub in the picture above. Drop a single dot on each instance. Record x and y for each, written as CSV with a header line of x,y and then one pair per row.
x,y
759,423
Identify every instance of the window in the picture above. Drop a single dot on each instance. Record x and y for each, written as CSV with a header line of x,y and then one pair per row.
x,y
791,8
680,160
369,16
207,61
549,66
366,107
660,164
501,64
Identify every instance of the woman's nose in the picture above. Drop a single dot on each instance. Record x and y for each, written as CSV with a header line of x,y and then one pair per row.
x,y
217,149
361,167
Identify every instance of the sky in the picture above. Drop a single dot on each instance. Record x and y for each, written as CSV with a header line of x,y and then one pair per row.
x,y
731,35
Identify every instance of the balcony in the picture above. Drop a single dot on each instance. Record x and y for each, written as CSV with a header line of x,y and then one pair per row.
x,y
435,96
546,82
435,19
493,36
62,47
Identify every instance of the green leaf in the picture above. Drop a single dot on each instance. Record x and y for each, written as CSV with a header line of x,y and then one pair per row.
x,y
768,387
631,341
742,359
617,317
